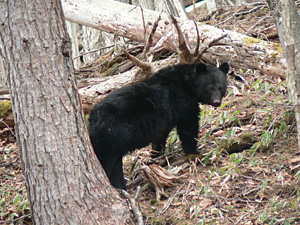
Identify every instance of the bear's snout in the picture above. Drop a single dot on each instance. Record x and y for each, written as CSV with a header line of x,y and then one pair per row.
x,y
216,102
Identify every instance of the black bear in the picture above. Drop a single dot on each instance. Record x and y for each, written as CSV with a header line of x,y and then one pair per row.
x,y
138,114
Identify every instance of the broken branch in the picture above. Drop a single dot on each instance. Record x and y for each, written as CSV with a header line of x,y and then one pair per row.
x,y
207,46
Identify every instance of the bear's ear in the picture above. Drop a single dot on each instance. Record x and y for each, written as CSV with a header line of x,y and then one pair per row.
x,y
224,67
200,68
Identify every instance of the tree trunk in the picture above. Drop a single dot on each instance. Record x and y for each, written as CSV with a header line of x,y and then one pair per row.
x,y
175,7
287,22
127,21
95,39
73,30
3,78
65,181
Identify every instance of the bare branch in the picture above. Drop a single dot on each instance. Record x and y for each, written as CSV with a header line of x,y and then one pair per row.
x,y
150,38
207,46
198,40
185,54
143,65
134,206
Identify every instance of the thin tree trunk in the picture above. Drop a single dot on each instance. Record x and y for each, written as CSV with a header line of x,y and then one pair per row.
x,y
65,181
73,30
127,21
287,22
175,7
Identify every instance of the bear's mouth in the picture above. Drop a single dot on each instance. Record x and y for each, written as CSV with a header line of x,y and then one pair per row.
x,y
216,102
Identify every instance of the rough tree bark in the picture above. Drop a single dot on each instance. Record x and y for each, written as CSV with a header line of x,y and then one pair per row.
x,y
287,22
127,21
65,181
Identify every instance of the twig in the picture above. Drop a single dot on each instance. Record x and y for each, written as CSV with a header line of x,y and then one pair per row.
x,y
241,218
256,24
224,21
1,121
21,217
144,66
238,24
256,3
239,13
208,45
143,22
253,178
170,200
95,50
137,193
150,38
251,191
198,41
135,209
249,11
183,48
133,165
156,160
159,44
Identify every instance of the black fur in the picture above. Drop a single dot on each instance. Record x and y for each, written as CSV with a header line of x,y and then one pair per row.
x,y
139,114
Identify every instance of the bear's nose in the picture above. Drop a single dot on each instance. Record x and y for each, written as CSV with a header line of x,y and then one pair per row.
x,y
216,102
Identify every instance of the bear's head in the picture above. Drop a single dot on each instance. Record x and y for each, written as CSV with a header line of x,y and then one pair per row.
x,y
210,83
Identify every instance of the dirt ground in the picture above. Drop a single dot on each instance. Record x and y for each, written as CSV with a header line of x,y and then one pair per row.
x,y
249,168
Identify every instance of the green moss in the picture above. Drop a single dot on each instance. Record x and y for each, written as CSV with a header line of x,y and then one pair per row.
x,y
153,201
273,57
246,137
277,47
5,108
115,61
262,12
110,71
109,67
251,41
266,124
244,141
278,51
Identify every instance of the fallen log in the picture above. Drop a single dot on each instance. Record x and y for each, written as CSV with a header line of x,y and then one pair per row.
x,y
96,91
126,20
91,92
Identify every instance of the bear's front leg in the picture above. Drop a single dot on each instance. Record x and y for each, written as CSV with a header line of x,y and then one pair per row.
x,y
187,129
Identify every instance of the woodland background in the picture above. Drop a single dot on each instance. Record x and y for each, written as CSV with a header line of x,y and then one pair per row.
x,y
249,169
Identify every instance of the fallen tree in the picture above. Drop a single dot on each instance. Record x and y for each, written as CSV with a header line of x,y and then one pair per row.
x,y
135,23
240,50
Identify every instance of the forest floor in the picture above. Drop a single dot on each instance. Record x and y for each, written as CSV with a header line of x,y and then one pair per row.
x,y
249,168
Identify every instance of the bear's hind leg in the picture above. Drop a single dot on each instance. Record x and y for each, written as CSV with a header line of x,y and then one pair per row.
x,y
116,175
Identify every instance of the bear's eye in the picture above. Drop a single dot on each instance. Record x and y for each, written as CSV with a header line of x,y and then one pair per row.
x,y
211,88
